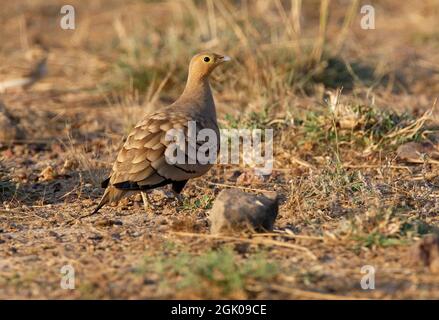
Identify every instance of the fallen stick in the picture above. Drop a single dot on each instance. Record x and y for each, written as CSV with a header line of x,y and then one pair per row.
x,y
312,295
287,235
39,71
236,187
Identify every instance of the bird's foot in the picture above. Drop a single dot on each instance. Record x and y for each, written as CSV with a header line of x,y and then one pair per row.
x,y
148,205
179,198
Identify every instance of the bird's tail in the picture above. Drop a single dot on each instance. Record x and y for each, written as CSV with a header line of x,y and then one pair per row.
x,y
111,194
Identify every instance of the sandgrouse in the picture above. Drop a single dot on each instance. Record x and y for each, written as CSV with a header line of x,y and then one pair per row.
x,y
142,163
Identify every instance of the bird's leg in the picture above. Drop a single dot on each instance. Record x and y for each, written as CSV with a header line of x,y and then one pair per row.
x,y
177,187
179,198
146,202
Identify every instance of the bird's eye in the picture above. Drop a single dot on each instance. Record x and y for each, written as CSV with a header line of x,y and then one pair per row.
x,y
206,59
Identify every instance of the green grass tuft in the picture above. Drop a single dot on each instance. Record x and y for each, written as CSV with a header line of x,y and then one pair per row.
x,y
220,269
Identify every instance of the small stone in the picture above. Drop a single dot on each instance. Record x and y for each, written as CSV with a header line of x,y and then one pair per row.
x,y
415,151
115,236
53,234
134,234
87,202
8,128
235,210
8,154
96,236
47,174
250,177
22,174
124,202
69,164
426,251
104,222
233,176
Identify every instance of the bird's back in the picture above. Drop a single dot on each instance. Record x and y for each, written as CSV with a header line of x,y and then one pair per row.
x,y
142,162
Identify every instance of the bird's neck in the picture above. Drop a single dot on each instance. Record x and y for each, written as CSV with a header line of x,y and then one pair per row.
x,y
198,91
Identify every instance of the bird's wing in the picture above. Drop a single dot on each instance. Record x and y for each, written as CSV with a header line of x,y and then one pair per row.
x,y
142,161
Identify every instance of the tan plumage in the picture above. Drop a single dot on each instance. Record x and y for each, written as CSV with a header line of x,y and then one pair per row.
x,y
141,163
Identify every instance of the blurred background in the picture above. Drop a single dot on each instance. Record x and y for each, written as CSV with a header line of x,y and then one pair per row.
x,y
282,50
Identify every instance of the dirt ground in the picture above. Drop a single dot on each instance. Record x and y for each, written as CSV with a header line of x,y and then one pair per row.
x,y
348,198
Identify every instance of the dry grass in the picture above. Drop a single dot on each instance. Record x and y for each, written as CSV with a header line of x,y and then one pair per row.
x,y
340,100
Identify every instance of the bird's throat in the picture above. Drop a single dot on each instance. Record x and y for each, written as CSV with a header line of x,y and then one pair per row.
x,y
198,91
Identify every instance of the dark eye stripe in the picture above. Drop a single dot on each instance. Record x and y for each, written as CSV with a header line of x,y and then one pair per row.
x,y
206,59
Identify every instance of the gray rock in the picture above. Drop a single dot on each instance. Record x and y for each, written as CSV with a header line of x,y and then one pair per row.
x,y
235,210
414,151
426,252
9,130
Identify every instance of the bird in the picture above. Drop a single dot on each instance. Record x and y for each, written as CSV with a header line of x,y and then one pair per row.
x,y
142,164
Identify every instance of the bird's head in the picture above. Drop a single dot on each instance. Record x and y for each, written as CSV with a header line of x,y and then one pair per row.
x,y
202,64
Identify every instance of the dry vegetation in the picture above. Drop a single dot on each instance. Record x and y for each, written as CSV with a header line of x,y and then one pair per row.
x,y
346,198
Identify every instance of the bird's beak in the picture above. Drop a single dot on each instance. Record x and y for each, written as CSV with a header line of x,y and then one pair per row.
x,y
224,59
